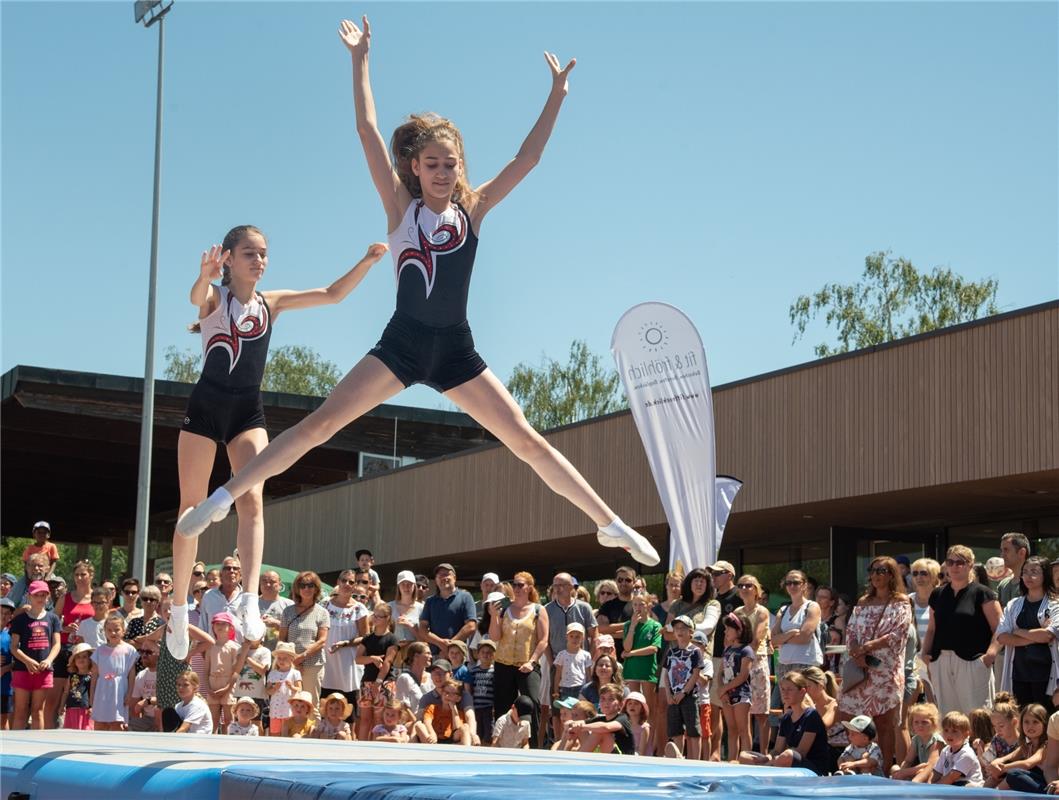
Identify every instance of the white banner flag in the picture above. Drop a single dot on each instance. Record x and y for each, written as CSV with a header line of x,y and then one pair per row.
x,y
663,366
727,488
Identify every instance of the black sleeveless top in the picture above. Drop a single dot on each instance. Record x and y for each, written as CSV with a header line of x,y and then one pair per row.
x,y
235,341
433,258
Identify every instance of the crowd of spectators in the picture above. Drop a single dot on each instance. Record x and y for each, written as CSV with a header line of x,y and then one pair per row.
x,y
937,672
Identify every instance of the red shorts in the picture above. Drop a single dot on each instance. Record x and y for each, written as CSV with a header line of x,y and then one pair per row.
x,y
704,721
31,682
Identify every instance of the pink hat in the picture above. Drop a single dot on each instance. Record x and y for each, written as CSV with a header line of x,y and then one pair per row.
x,y
637,696
604,640
224,616
39,586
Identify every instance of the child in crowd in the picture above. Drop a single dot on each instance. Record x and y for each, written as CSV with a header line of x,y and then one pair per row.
x,y
702,641
641,641
638,712
513,728
1033,722
957,763
191,714
256,659
35,643
459,655
738,660
41,535
982,723
581,711
332,723
443,722
396,719
245,712
222,667
143,710
365,560
91,630
284,681
862,756
604,647
299,725
562,714
925,747
1005,721
113,666
78,689
680,687
609,731
481,681
570,669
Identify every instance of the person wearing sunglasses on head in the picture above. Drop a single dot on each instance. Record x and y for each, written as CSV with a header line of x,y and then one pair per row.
x,y
271,605
305,625
964,615
228,596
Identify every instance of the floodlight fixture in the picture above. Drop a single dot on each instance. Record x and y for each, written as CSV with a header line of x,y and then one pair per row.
x,y
150,11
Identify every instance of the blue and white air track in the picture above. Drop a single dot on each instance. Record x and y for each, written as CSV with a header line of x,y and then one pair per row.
x,y
76,765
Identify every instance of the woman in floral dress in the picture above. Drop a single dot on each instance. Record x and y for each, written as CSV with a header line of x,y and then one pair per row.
x,y
877,629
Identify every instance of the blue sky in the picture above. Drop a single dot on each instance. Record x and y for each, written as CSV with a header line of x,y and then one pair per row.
x,y
723,157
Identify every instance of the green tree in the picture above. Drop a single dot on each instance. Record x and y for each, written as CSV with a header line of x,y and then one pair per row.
x,y
554,394
298,369
893,300
182,365
292,368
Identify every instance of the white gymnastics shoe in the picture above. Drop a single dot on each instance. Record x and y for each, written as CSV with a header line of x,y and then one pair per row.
x,y
618,534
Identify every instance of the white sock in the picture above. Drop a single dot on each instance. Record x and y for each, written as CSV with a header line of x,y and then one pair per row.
x,y
179,612
614,528
221,497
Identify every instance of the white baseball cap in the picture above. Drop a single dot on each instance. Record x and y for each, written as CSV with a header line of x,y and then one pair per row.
x,y
491,576
495,597
406,575
41,524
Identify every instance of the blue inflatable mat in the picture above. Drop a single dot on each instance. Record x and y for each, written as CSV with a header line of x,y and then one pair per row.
x,y
88,765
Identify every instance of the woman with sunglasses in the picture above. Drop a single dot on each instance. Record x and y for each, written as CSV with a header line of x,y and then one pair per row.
x,y
349,623
926,577
138,628
794,629
305,625
876,635
130,594
521,636
964,615
606,591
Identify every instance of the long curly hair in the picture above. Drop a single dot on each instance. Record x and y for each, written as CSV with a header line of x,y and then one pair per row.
x,y
415,134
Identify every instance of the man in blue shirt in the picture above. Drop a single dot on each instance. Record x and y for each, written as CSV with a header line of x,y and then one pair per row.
x,y
449,614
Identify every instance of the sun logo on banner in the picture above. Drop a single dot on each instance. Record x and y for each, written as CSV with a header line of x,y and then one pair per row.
x,y
653,337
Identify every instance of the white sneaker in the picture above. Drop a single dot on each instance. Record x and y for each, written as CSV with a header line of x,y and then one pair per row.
x,y
618,534
195,520
253,627
176,634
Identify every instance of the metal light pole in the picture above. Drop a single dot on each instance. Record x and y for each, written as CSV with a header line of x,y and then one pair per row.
x,y
149,12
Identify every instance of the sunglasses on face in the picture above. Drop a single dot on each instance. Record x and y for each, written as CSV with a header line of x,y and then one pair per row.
x,y
623,580
162,582
148,600
746,586
878,571
422,586
231,569
955,562
198,573
360,597
518,586
920,573
130,592
793,583
606,593
306,585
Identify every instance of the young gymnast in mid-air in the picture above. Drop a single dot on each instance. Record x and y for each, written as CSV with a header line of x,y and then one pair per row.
x,y
235,321
433,216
